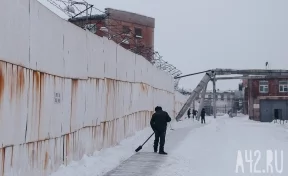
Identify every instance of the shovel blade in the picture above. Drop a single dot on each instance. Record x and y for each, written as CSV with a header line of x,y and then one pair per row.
x,y
138,149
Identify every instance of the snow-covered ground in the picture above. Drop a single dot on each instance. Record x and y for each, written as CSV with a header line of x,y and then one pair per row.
x,y
107,159
212,150
198,150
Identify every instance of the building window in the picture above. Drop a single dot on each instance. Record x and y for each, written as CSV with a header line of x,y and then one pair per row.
x,y
283,86
263,86
218,97
125,29
209,97
138,32
222,96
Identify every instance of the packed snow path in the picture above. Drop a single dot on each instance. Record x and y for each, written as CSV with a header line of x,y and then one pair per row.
x,y
145,163
194,150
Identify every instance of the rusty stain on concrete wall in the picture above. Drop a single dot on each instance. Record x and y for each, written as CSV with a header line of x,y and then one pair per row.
x,y
47,154
36,80
2,160
20,80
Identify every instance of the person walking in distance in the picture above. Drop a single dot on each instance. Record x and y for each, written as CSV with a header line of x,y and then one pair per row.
x,y
203,116
159,125
194,112
189,113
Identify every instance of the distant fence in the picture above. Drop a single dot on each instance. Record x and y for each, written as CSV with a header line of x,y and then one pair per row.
x,y
65,92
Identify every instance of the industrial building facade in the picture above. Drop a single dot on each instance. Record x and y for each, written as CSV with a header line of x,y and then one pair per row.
x,y
267,99
225,101
132,31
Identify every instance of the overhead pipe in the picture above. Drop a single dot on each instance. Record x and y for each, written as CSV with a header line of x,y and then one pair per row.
x,y
250,72
250,77
219,71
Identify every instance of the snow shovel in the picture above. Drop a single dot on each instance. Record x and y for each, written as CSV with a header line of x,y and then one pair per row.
x,y
140,147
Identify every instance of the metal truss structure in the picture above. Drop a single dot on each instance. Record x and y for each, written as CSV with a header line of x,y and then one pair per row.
x,y
73,8
161,64
210,75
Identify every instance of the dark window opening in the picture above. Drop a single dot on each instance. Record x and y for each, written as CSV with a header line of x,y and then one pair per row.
x,y
138,32
222,97
278,114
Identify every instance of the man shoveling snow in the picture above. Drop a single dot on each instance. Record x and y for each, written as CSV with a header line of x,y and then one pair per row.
x,y
159,125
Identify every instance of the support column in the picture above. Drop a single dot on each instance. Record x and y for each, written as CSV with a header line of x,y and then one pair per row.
x,y
201,105
214,97
205,80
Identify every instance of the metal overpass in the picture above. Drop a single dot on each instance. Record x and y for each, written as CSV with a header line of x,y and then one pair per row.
x,y
212,75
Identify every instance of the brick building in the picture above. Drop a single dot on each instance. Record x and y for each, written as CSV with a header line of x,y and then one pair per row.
x,y
132,31
267,99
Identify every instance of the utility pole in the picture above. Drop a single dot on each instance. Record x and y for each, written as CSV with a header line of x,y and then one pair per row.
x,y
203,93
214,97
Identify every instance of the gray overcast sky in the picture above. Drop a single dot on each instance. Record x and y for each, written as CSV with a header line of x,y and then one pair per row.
x,y
196,35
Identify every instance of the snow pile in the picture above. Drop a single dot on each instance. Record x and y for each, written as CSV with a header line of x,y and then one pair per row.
x,y
241,115
107,159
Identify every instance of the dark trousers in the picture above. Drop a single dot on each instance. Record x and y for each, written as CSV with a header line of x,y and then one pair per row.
x,y
203,119
193,116
188,116
159,135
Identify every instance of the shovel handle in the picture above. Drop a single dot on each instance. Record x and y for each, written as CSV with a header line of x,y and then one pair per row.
x,y
148,138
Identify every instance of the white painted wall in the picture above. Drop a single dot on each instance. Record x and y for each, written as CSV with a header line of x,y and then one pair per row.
x,y
106,93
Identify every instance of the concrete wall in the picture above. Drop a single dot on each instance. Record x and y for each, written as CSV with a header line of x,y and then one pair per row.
x,y
179,101
65,92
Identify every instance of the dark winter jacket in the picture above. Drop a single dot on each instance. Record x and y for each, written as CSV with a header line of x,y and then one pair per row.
x,y
194,112
189,112
159,121
203,113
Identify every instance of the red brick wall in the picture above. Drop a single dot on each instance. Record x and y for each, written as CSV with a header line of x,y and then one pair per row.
x,y
121,18
273,88
254,95
147,32
147,39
